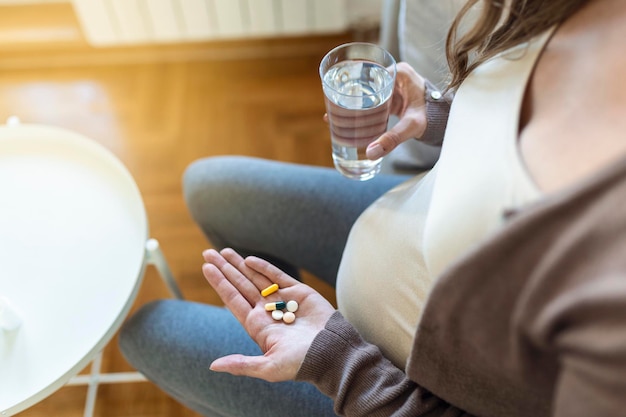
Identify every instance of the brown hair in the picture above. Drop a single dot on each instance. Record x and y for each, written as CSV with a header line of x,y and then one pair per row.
x,y
500,25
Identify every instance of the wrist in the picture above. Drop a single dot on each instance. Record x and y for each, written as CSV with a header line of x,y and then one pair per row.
x,y
437,112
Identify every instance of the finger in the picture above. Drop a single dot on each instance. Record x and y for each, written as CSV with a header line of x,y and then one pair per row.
x,y
260,281
234,276
229,294
272,272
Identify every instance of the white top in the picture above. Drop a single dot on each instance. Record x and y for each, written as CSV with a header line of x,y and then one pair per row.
x,y
401,243
73,230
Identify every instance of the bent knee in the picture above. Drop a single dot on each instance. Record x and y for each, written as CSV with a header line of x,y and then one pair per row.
x,y
139,333
206,175
209,182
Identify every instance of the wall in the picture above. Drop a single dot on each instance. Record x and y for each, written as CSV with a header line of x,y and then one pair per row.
x,y
114,22
364,11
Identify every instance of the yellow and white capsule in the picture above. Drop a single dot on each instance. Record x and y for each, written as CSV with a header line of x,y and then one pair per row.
x,y
278,305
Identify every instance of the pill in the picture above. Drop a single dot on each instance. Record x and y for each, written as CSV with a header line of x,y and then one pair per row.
x,y
277,314
289,317
292,306
269,290
278,305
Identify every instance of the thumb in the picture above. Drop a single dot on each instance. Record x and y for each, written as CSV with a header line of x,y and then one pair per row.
x,y
253,366
406,128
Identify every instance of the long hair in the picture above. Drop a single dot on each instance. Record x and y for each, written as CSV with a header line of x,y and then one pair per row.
x,y
500,25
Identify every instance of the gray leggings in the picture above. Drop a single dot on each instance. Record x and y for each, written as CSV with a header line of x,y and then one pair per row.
x,y
296,216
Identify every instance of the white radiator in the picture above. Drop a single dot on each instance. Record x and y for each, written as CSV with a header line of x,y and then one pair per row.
x,y
118,22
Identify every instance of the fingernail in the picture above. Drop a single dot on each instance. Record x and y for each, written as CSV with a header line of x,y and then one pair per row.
x,y
374,151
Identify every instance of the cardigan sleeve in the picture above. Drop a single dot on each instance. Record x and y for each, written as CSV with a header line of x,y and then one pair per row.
x,y
438,106
576,311
585,328
361,381
592,380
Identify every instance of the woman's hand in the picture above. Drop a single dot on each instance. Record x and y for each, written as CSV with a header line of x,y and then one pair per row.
x,y
408,103
239,282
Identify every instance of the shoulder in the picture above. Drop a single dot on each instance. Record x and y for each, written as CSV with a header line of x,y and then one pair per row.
x,y
577,98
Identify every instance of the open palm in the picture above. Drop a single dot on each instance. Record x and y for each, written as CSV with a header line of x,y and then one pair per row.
x,y
239,282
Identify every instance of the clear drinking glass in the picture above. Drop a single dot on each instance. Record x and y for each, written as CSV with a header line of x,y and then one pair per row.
x,y
357,79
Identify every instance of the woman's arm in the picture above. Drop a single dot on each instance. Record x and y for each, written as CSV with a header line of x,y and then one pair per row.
x,y
576,310
438,105
320,346
361,381
422,110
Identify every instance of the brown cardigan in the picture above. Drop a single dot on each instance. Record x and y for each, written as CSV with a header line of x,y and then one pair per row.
x,y
531,322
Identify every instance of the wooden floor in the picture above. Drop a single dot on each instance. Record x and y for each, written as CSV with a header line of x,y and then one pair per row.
x,y
158,109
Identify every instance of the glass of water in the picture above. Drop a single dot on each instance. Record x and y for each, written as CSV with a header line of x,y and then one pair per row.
x,y
357,79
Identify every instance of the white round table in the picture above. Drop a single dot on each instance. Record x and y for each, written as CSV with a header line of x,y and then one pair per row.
x,y
73,234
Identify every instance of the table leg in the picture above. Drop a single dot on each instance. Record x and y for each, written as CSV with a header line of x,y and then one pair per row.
x,y
155,257
92,389
95,378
